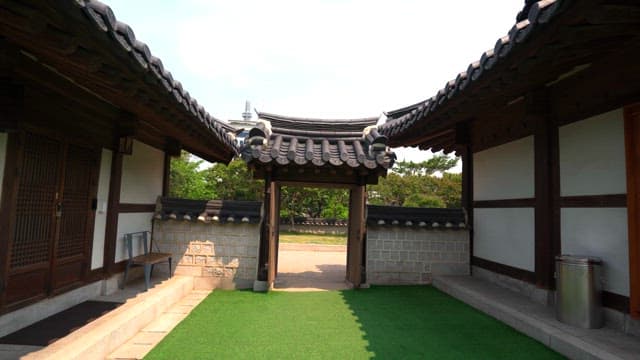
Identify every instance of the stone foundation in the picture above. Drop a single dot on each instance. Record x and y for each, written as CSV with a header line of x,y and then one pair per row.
x,y
217,255
409,255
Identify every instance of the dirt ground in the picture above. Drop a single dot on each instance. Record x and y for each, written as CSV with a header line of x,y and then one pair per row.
x,y
310,267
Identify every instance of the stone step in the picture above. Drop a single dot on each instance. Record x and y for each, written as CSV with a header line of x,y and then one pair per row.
x,y
103,336
538,321
147,338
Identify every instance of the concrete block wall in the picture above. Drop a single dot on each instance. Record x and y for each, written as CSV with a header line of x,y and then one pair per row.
x,y
408,255
216,255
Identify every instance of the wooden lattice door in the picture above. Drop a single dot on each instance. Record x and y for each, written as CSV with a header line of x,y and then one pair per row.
x,y
75,216
51,217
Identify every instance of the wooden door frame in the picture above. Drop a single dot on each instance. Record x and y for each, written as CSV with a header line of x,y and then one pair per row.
x,y
13,160
632,157
13,157
270,232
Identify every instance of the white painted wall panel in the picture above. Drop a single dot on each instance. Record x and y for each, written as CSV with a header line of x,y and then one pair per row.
x,y
505,236
142,174
100,224
600,232
592,157
505,171
128,223
3,156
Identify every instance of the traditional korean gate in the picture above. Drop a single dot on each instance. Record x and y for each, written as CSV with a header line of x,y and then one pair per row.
x,y
289,151
50,209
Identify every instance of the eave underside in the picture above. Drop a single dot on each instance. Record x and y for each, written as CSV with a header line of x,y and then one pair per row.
x,y
582,59
56,44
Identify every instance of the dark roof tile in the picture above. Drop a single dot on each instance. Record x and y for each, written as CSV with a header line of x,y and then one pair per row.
x,y
401,121
104,20
318,142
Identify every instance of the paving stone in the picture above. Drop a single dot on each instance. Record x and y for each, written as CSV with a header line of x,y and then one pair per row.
x,y
538,321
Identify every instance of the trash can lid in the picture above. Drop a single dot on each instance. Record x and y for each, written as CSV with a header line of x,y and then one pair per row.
x,y
579,259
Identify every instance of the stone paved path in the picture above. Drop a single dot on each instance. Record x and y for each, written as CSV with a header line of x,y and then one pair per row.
x,y
310,267
138,346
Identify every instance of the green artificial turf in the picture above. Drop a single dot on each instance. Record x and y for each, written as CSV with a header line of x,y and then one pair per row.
x,y
412,322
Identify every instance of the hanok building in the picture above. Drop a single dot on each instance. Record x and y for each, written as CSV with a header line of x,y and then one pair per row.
x,y
88,121
548,126
316,152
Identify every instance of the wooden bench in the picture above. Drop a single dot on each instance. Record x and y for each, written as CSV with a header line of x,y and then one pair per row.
x,y
148,259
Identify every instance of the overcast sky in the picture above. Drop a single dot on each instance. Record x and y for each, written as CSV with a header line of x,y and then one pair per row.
x,y
314,58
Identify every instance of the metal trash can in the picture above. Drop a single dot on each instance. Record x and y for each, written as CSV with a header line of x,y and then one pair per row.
x,y
579,291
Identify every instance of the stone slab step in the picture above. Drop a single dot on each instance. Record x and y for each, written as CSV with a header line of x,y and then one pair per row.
x,y
538,321
101,337
145,340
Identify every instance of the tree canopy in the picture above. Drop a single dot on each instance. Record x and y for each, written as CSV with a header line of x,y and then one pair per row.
x,y
422,184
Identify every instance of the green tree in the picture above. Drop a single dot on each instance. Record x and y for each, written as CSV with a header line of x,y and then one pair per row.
x,y
313,202
186,180
415,184
233,181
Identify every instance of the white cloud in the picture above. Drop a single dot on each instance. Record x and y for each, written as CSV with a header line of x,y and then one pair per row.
x,y
316,58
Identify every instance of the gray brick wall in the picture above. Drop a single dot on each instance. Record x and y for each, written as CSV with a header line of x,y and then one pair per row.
x,y
400,255
216,255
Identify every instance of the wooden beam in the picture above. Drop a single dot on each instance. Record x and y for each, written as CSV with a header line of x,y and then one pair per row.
x,y
547,187
166,175
505,203
11,104
111,231
272,226
263,254
463,143
173,147
10,184
355,242
632,154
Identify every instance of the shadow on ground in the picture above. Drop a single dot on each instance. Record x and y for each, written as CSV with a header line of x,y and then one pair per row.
x,y
328,277
420,322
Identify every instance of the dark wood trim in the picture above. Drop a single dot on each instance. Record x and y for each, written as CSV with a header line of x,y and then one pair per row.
x,y
597,201
166,175
95,275
263,254
356,231
547,186
505,203
463,141
615,301
510,271
632,155
13,157
136,208
118,267
111,231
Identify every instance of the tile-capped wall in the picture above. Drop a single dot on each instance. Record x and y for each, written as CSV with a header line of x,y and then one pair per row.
x,y
409,255
216,255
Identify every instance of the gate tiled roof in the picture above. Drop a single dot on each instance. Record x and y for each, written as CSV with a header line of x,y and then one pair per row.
x,y
353,143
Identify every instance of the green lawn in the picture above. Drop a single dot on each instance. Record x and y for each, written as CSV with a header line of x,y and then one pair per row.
x,y
299,238
412,322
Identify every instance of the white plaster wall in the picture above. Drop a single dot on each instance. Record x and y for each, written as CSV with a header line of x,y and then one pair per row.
x,y
142,174
505,236
3,156
592,157
505,171
600,232
100,223
128,223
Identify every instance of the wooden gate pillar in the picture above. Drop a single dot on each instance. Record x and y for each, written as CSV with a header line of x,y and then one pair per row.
x,y
267,262
355,242
272,231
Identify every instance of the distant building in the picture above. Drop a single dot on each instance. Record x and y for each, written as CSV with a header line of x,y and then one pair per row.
x,y
245,124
